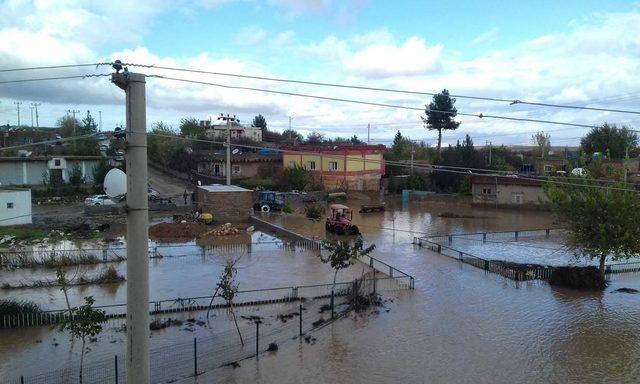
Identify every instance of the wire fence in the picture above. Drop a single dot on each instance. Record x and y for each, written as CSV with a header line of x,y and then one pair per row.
x,y
197,355
445,245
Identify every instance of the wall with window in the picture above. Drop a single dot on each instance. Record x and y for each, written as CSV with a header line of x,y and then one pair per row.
x,y
15,207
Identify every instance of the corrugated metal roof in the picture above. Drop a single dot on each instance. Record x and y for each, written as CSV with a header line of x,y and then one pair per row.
x,y
223,188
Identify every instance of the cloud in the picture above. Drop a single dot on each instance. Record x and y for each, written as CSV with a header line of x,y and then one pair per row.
x,y
487,37
412,58
251,36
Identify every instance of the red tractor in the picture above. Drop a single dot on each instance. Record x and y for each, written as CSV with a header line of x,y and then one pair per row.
x,y
340,221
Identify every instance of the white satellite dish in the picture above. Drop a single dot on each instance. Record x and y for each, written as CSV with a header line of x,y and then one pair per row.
x,y
115,183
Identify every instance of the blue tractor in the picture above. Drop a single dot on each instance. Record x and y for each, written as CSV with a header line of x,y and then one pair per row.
x,y
269,201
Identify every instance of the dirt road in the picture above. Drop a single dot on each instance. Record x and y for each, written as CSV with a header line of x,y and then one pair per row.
x,y
167,185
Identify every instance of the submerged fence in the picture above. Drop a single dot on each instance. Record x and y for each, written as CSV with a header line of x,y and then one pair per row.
x,y
516,271
188,359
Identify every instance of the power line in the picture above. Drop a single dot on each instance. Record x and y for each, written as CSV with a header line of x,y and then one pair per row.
x,y
54,67
480,115
510,101
53,78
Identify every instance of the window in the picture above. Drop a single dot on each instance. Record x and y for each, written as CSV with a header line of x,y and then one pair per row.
x,y
486,191
235,169
311,165
333,165
547,168
517,197
56,162
9,205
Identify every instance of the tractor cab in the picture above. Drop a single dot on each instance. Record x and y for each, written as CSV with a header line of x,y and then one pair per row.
x,y
340,220
269,201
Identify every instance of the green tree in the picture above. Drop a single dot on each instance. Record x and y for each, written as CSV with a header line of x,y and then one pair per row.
x,y
260,122
439,115
163,145
314,138
75,175
341,254
291,135
190,127
83,321
100,170
618,142
602,220
543,141
70,127
295,177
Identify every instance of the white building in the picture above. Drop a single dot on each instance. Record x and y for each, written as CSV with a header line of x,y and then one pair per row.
x,y
217,129
15,206
34,170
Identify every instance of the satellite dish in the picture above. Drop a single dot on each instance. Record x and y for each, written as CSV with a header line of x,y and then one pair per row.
x,y
115,183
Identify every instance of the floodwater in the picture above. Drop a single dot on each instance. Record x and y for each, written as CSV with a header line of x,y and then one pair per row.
x,y
460,324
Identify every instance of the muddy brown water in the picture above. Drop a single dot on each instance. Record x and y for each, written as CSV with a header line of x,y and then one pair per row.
x,y
459,325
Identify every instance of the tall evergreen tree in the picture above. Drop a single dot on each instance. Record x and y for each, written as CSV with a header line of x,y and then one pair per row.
x,y
439,115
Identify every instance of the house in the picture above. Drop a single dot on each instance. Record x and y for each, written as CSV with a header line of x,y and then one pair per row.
x,y
217,129
507,191
211,166
15,206
34,170
225,202
348,167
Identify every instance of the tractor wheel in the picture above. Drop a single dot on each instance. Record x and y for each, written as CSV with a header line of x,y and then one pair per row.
x,y
327,226
340,230
353,230
265,208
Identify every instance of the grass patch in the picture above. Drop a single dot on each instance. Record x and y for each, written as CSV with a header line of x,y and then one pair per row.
x,y
24,233
10,307
52,259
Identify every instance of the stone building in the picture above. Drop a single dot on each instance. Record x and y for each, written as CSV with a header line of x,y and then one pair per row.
x,y
347,167
507,191
217,129
225,202
212,166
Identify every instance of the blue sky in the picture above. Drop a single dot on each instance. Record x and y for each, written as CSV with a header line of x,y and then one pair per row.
x,y
571,52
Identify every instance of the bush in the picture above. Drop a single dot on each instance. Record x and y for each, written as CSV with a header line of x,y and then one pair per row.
x,y
75,175
314,212
263,184
14,307
584,278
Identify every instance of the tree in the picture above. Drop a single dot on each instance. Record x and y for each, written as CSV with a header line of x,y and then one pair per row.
x,y
543,141
609,138
228,289
75,175
190,127
83,321
292,136
89,124
439,115
260,122
70,127
602,219
295,177
341,254
163,148
314,138
100,170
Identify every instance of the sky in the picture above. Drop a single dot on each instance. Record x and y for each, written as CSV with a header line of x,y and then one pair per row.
x,y
570,52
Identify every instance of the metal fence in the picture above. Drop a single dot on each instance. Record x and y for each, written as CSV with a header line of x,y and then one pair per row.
x,y
202,354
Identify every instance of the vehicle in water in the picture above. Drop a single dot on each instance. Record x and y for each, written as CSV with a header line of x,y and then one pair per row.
x,y
340,221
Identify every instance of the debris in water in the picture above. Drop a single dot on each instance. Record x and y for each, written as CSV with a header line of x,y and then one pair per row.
x,y
318,322
272,347
626,290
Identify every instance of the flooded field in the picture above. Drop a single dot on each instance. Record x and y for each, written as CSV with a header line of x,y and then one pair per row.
x,y
459,325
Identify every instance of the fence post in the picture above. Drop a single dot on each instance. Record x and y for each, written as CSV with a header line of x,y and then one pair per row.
x,y
439,248
516,233
484,238
21,379
486,265
375,281
195,356
371,262
116,368
547,232
257,338
450,240
104,254
300,316
460,255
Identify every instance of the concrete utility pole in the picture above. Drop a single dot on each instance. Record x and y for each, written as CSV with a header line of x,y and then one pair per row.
x,y
368,137
489,143
18,103
228,170
75,142
100,121
35,106
290,117
137,227
412,152
31,108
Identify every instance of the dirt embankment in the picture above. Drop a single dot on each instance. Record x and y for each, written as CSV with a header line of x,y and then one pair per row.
x,y
191,231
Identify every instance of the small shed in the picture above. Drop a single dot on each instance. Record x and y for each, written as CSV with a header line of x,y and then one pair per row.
x,y
226,202
15,206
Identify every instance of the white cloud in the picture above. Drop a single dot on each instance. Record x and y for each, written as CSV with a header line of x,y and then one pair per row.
x,y
251,36
487,37
412,58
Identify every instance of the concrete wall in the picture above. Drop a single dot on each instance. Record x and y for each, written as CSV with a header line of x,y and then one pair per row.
x,y
15,207
226,206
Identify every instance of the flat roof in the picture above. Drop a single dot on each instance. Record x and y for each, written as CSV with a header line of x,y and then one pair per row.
x,y
223,188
